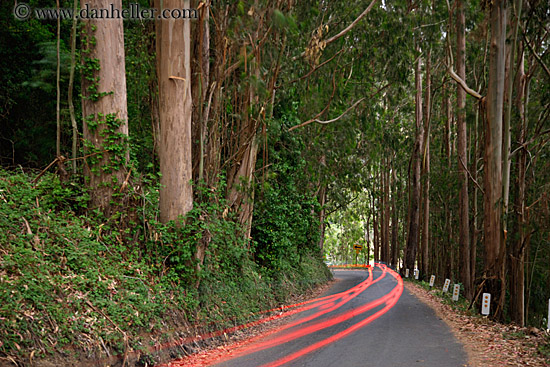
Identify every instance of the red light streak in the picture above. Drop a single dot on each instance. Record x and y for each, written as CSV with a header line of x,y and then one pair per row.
x,y
390,299
345,297
324,305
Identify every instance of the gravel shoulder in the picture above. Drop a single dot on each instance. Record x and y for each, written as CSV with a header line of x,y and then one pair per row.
x,y
487,343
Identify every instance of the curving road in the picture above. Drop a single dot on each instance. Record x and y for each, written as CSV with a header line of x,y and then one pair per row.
x,y
366,319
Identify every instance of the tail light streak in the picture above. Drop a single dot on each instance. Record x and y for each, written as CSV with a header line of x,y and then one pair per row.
x,y
324,305
390,300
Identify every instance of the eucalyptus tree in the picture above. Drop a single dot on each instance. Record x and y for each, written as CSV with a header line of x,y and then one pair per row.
x,y
174,79
463,200
414,206
104,105
494,254
532,113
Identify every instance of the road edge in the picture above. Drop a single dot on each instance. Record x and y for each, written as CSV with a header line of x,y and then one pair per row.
x,y
486,343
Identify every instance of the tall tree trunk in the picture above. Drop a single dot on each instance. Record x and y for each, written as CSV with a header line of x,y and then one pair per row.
x,y
475,216
448,128
200,88
463,198
71,87
201,113
153,86
517,252
175,111
58,87
322,213
387,209
426,170
517,255
241,196
384,225
376,242
367,236
382,232
394,223
104,106
241,188
414,209
506,160
494,251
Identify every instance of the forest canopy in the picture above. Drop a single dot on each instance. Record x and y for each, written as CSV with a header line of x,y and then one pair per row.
x,y
229,154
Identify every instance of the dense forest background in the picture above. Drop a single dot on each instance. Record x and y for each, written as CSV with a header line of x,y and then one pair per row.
x,y
154,180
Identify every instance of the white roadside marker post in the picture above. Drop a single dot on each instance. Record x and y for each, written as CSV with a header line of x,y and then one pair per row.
x,y
432,280
548,322
406,273
446,285
486,304
456,292
416,274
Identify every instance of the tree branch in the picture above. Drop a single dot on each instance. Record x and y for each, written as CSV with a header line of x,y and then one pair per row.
x,y
471,177
458,79
316,118
537,57
327,121
324,109
349,27
450,70
463,84
316,68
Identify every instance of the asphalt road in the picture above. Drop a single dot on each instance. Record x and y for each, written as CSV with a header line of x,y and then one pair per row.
x,y
363,320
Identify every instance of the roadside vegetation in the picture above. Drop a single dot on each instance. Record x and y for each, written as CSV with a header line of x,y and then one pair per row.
x,y
147,192
78,287
488,343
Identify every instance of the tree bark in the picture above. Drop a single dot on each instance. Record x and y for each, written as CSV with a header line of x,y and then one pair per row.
x,y
394,223
367,236
475,208
426,171
104,105
175,112
322,215
448,129
200,87
71,88
517,251
463,198
506,159
494,251
376,242
241,188
414,209
58,87
385,220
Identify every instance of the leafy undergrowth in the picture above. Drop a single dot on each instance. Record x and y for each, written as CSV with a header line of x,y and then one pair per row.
x,y
488,343
77,288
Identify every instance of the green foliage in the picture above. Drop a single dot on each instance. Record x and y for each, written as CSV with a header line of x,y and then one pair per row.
x,y
71,277
44,72
27,114
114,144
59,269
285,224
142,93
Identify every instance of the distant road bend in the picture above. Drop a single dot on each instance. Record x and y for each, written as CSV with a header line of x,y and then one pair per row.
x,y
367,318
